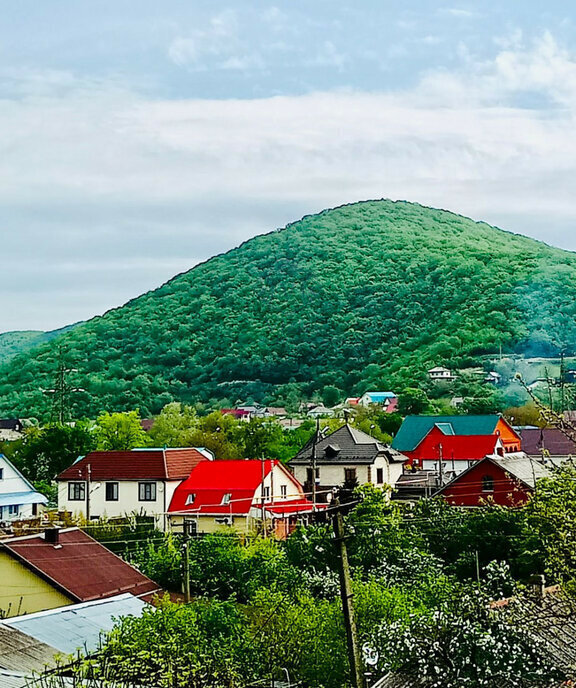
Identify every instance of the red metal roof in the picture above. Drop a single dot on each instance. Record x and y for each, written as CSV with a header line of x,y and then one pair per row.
x,y
138,464
457,447
210,481
79,566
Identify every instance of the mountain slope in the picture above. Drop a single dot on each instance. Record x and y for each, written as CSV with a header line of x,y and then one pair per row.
x,y
21,341
366,294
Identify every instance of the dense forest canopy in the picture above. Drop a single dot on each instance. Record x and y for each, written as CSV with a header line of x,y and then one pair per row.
x,y
362,296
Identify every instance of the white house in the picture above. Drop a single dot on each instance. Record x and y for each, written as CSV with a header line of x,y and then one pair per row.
x,y
118,483
440,374
18,498
347,456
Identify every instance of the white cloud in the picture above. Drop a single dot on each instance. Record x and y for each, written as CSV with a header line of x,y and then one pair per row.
x,y
88,171
459,12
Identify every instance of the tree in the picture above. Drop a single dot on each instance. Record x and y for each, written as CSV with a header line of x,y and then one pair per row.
x,y
120,431
331,396
46,452
413,401
173,425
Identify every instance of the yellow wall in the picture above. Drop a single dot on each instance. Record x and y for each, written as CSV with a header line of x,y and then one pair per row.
x,y
207,524
23,592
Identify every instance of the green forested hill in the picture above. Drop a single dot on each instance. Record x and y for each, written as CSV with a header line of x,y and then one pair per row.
x,y
22,341
365,295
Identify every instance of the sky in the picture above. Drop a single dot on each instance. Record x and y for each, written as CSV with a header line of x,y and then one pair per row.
x,y
138,138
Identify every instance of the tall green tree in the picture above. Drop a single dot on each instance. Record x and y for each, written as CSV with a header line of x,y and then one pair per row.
x,y
120,431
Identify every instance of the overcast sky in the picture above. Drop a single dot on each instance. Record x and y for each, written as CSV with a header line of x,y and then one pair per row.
x,y
139,137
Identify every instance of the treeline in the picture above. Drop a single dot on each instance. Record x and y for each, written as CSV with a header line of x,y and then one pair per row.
x,y
365,296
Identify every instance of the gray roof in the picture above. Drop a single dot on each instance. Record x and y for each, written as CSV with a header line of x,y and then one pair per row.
x,y
20,652
78,626
522,467
350,446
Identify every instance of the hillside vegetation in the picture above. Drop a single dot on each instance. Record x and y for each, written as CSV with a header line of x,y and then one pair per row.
x,y
21,341
365,295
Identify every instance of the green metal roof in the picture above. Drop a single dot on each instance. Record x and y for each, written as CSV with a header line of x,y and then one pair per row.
x,y
415,428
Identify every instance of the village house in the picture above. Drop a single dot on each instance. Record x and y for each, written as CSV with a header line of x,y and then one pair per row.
x,y
346,457
545,442
18,499
414,430
445,453
388,400
61,567
505,480
11,429
117,483
441,374
245,494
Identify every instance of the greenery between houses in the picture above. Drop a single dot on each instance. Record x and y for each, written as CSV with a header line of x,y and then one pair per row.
x,y
365,296
262,608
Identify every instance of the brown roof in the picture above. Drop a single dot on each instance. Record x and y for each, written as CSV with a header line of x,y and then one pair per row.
x,y
534,440
79,566
138,464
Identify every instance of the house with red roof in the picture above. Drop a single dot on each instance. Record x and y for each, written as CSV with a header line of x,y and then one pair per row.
x,y
455,452
507,480
62,567
116,483
244,494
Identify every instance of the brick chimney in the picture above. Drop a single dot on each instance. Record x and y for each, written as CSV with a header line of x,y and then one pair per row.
x,y
52,535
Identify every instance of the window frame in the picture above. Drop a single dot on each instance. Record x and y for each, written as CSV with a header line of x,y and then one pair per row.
x,y
77,491
283,491
142,489
114,486
379,476
487,483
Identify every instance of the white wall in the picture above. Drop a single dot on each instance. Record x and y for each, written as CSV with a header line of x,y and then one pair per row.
x,y
128,499
334,474
13,482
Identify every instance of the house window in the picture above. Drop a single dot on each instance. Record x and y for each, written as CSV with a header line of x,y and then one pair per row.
x,y
283,490
487,483
226,498
190,499
76,492
349,476
309,475
266,493
13,509
379,476
147,492
111,492
1,474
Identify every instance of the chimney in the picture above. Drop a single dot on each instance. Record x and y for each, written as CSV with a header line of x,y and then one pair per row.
x,y
51,535
538,583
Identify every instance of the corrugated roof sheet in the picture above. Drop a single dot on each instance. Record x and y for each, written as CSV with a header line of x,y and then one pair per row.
x,y
30,497
21,652
138,464
78,626
79,565
534,440
415,428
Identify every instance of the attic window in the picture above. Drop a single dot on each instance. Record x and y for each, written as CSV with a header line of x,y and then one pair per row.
x,y
226,498
487,483
1,474
332,450
190,499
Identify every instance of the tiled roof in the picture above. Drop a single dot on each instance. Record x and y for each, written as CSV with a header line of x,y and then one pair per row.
x,y
534,440
79,566
138,464
77,626
415,428
20,652
354,446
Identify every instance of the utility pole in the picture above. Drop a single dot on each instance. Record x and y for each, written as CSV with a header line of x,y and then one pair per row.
x,y
440,467
88,483
562,381
186,548
313,460
354,656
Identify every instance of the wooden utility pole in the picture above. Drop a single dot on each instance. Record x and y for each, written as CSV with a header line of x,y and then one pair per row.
x,y
186,548
314,464
354,656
